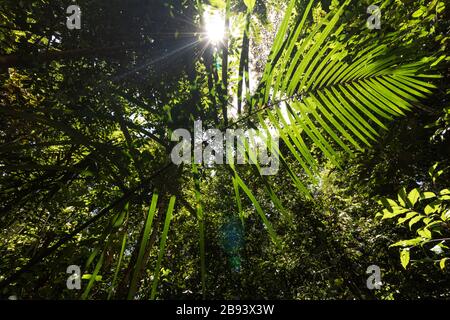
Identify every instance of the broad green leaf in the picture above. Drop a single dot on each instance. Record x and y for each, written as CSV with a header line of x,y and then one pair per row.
x,y
393,212
259,210
433,207
442,263
413,196
404,257
402,198
388,203
438,60
408,216
414,220
407,243
424,233
250,4
427,195
433,223
420,12
432,169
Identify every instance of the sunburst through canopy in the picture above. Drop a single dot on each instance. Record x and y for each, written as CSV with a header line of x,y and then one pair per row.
x,y
214,26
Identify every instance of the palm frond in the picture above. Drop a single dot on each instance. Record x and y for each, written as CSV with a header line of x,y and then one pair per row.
x,y
267,224
339,91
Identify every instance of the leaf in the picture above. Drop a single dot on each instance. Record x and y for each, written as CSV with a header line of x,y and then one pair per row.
x,y
404,257
442,263
433,223
415,220
162,246
424,233
427,195
429,209
433,207
437,175
267,187
250,4
440,7
87,173
389,214
433,169
413,196
388,203
420,12
402,198
408,216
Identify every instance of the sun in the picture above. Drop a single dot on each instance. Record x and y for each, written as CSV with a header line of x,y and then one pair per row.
x,y
214,26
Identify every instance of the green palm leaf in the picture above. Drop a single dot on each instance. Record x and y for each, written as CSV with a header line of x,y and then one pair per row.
x,y
340,89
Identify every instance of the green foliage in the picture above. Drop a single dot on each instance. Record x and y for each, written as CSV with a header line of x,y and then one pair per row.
x,y
85,124
428,213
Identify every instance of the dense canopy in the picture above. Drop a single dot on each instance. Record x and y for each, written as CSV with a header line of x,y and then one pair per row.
x,y
356,93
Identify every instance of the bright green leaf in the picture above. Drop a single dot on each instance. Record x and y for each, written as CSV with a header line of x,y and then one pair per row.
x,y
404,257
